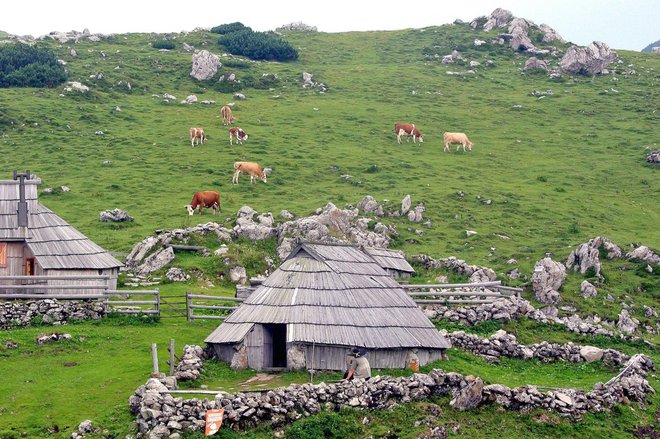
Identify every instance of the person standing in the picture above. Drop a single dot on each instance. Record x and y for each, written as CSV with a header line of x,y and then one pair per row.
x,y
358,365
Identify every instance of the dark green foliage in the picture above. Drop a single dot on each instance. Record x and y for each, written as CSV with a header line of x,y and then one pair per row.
x,y
258,45
228,28
27,66
164,44
325,425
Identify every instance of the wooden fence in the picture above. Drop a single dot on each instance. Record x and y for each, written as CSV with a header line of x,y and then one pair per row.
x,y
477,293
121,302
198,301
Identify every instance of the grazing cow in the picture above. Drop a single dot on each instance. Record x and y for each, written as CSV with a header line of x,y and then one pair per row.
x,y
254,170
197,135
238,134
459,138
204,199
408,130
227,116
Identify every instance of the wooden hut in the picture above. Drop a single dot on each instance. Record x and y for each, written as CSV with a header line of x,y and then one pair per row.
x,y
322,301
36,242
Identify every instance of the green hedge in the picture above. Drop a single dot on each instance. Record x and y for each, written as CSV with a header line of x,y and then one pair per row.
x,y
258,46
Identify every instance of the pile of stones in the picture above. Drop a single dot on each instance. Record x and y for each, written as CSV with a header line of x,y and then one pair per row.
x,y
159,415
192,363
50,311
52,337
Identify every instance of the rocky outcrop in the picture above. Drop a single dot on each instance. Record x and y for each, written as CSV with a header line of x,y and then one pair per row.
x,y
587,290
115,216
297,26
204,65
50,312
547,279
654,156
534,63
157,261
590,60
643,253
175,274
586,256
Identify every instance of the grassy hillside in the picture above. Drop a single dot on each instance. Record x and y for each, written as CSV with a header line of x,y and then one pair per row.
x,y
562,160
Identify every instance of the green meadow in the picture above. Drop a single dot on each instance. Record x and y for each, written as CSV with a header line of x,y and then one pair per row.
x,y
561,161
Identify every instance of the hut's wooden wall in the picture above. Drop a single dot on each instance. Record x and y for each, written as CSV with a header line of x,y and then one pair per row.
x,y
254,342
224,352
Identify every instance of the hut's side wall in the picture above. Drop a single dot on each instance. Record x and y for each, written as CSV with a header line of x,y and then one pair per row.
x,y
334,357
224,352
112,283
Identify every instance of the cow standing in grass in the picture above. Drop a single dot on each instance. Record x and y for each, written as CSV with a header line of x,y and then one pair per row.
x,y
409,130
238,134
197,135
204,199
254,170
227,115
457,138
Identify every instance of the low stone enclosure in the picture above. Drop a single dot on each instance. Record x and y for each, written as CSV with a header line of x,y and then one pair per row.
x,y
160,414
19,313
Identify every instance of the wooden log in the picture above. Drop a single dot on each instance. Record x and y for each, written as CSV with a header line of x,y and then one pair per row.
x,y
197,296
185,247
171,356
154,357
457,293
445,286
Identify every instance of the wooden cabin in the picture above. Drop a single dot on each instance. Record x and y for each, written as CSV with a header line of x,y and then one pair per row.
x,y
36,242
321,302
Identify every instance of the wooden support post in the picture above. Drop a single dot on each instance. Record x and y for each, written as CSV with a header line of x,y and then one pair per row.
x,y
171,357
157,302
154,359
188,308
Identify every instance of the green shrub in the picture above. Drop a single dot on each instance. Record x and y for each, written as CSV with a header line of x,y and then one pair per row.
x,y
26,66
325,425
258,45
164,44
225,29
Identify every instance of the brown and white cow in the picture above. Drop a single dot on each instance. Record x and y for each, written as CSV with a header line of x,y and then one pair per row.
x,y
197,135
458,138
409,130
254,170
204,199
238,134
227,116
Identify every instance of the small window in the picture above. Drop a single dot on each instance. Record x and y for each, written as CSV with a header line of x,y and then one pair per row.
x,y
29,267
3,254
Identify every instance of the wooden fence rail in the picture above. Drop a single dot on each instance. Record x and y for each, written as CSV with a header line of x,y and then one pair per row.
x,y
428,294
191,306
128,306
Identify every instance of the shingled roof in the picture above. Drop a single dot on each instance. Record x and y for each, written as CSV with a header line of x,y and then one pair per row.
x,y
52,241
390,259
333,295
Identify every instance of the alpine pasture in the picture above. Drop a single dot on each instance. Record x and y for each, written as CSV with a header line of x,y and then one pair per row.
x,y
561,161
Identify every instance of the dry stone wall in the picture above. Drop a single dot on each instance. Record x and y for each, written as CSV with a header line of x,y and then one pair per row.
x,y
21,313
160,415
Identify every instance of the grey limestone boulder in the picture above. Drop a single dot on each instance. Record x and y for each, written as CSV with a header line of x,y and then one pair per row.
x,y
204,65
547,279
157,261
590,60
587,290
115,216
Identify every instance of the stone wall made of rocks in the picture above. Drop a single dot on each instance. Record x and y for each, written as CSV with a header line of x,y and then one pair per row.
x,y
160,415
20,313
514,308
502,344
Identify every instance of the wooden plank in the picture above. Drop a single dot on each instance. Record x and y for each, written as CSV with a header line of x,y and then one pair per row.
x,y
52,287
185,247
132,302
194,316
136,311
197,296
80,277
443,302
445,286
213,307
42,296
457,293
123,292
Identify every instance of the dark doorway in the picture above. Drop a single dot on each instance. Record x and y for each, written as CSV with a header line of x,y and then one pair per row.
x,y
277,335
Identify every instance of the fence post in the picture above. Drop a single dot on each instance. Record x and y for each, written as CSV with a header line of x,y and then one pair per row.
x,y
157,302
171,356
154,358
188,308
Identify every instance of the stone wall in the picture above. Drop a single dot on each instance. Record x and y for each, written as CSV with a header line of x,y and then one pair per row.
x,y
19,313
162,415
502,344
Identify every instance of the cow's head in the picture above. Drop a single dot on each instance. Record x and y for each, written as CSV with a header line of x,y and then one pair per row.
x,y
421,138
190,209
242,135
203,138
